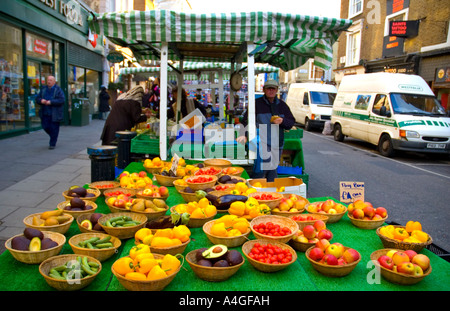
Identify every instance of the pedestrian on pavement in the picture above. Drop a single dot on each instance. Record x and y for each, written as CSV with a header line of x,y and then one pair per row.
x,y
51,99
104,107
125,114
272,116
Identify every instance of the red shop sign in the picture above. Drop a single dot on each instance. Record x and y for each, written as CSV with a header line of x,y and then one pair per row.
x,y
40,47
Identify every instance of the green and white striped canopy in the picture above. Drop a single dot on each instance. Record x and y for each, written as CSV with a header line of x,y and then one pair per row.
x,y
285,41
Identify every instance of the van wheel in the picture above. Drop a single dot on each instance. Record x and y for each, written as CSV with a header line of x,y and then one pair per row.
x,y
308,126
385,146
337,133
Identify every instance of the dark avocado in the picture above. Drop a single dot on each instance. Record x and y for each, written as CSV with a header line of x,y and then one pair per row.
x,y
204,263
48,243
97,227
221,263
30,233
215,251
20,243
77,192
77,203
95,217
233,257
199,254
223,179
188,190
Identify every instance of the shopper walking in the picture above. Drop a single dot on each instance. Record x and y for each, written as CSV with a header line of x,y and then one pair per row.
x,y
104,107
51,99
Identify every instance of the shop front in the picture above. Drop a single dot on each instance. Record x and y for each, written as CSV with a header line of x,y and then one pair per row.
x,y
42,38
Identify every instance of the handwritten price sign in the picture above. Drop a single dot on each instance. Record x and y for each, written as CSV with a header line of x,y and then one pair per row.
x,y
351,191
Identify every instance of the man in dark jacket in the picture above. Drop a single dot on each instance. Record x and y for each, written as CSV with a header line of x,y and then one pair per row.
x,y
51,100
104,102
125,114
273,116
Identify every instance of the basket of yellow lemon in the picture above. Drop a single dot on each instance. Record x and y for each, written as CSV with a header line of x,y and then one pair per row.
x,y
200,212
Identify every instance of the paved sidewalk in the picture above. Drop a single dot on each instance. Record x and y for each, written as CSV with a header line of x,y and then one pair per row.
x,y
34,177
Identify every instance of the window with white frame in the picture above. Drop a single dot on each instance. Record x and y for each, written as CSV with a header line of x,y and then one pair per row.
x,y
353,44
355,7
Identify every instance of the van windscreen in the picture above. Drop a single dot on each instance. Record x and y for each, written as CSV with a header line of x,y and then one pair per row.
x,y
416,104
322,98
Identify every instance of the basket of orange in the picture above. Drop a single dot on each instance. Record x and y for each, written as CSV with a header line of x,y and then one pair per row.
x,y
200,212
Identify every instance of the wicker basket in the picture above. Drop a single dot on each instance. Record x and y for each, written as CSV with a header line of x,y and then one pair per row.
x,y
332,271
366,224
101,185
145,285
332,218
179,188
220,163
396,277
392,243
266,267
195,222
148,197
166,181
300,246
270,203
303,224
94,191
279,220
115,209
233,241
75,214
238,173
241,179
111,192
152,215
202,186
35,257
64,285
172,250
211,274
189,197
99,254
288,213
153,170
123,232
84,229
61,228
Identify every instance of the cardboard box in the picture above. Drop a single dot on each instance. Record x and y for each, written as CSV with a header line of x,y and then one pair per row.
x,y
194,120
290,184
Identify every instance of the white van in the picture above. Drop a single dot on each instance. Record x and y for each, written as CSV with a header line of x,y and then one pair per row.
x,y
392,111
311,103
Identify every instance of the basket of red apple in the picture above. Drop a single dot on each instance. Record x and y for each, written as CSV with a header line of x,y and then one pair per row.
x,y
291,204
153,192
406,237
363,215
275,228
310,235
261,255
334,260
334,210
404,267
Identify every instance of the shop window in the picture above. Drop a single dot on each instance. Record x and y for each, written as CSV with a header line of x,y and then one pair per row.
x,y
12,112
39,47
84,83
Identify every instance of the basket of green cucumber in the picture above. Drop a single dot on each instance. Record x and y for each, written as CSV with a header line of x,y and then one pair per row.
x,y
122,225
98,245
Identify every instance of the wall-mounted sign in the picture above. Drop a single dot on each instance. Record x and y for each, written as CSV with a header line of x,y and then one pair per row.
x,y
442,75
392,46
405,29
115,57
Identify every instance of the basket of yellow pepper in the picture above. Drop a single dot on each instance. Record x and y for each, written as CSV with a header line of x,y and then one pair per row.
x,y
406,237
164,241
228,230
249,209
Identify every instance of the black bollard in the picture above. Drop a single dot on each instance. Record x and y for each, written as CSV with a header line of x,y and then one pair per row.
x,y
124,144
103,162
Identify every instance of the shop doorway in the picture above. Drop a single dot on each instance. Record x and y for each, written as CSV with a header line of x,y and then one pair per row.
x,y
37,73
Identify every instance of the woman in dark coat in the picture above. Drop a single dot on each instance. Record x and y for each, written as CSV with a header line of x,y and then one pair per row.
x,y
125,114
104,103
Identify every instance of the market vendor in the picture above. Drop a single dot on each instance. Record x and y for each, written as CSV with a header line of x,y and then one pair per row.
x,y
187,104
125,114
273,117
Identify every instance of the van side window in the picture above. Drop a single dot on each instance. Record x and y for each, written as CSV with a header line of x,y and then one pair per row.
x,y
305,99
380,101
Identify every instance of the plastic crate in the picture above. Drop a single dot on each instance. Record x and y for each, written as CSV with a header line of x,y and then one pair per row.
x,y
145,143
292,134
287,170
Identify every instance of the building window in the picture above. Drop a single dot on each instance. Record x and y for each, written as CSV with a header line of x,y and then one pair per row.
x,y
353,48
355,7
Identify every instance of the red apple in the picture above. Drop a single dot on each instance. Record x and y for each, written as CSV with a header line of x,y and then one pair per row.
x,y
163,191
341,262
381,211
410,254
309,232
313,240
386,262
330,259
319,225
335,250
142,174
358,213
316,254
399,258
369,211
325,234
421,260
327,205
350,255
417,270
406,268
323,244
377,217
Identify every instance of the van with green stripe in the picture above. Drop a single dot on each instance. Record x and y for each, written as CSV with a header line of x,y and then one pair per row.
x,y
392,111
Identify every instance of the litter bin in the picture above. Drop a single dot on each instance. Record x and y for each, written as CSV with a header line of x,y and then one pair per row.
x,y
103,162
80,112
124,147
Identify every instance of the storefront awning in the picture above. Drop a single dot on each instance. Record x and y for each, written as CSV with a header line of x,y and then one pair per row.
x,y
285,41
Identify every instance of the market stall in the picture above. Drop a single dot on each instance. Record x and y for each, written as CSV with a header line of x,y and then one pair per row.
x,y
285,41
300,275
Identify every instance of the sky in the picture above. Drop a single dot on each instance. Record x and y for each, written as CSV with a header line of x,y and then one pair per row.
x,y
322,8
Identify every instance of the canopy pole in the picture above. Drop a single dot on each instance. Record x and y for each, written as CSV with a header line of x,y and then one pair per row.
x,y
163,102
221,99
251,98
179,90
